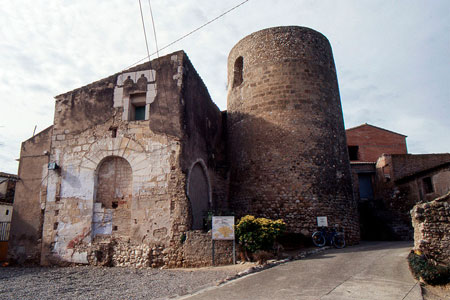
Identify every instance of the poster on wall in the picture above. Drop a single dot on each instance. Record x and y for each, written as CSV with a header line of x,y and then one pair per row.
x,y
223,228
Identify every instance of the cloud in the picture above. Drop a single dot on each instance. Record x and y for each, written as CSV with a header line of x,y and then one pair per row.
x,y
391,57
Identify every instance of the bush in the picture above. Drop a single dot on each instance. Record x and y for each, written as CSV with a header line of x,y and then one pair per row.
x,y
431,273
255,234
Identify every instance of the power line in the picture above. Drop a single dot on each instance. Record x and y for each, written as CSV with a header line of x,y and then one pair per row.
x,y
187,34
154,29
143,26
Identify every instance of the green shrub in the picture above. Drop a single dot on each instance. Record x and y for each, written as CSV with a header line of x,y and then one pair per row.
x,y
433,274
255,234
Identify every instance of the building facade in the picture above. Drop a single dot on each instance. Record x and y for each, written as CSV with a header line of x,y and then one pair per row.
x,y
135,163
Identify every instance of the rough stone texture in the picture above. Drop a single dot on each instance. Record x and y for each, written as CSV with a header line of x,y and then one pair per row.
x,y
373,141
143,158
29,200
431,221
287,144
119,194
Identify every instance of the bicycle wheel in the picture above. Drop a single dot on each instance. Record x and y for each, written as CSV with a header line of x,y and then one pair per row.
x,y
318,239
339,241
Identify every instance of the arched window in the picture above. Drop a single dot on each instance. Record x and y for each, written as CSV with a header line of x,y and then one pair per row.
x,y
112,214
199,195
238,71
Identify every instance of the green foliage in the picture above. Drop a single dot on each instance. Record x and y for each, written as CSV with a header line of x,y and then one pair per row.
x,y
433,274
256,234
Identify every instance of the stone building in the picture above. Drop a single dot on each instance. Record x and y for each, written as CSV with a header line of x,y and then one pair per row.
x,y
286,131
134,163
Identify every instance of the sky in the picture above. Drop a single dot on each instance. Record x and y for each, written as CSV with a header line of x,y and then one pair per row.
x,y
392,57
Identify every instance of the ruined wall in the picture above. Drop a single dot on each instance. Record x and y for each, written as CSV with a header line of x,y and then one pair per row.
x,y
372,142
431,221
287,145
29,200
95,203
119,195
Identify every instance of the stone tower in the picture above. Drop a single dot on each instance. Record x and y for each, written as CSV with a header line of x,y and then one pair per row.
x,y
286,134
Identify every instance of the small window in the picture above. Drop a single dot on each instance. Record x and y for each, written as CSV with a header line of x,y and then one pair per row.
x,y
139,113
137,107
7,212
428,185
238,71
353,152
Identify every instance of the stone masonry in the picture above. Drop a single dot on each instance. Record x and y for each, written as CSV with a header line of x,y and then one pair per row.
x,y
431,221
286,135
136,162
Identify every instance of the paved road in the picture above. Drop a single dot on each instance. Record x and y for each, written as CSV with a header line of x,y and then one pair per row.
x,y
371,270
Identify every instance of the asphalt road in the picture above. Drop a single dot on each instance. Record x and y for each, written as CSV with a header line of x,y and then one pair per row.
x,y
371,270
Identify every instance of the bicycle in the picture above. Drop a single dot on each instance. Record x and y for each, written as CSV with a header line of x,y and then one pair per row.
x,y
333,237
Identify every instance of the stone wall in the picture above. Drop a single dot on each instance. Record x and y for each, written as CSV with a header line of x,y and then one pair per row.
x,y
431,221
120,193
97,159
286,139
197,249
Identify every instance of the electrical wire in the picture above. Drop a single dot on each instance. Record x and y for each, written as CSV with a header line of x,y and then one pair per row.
x,y
189,33
143,26
154,29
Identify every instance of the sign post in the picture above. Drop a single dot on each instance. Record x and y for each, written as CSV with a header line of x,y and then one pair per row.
x,y
223,229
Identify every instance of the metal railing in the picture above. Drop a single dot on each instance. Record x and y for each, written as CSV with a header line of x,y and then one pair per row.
x,y
4,231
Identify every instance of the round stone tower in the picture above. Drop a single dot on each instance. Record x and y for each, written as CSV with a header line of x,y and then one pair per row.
x,y
286,136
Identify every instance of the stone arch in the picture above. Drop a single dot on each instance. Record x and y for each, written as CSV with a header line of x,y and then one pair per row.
x,y
199,193
113,197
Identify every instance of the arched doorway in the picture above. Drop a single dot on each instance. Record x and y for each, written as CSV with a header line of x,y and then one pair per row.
x,y
112,206
199,195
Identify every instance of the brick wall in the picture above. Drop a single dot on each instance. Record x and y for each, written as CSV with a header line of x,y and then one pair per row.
x,y
431,221
372,142
405,165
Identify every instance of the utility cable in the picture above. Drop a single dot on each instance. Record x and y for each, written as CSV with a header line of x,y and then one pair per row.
x,y
143,26
154,28
189,33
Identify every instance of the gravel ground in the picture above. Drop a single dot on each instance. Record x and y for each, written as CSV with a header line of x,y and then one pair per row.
x,y
86,282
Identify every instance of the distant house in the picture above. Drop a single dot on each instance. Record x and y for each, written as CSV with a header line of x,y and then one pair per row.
x,y
7,189
388,182
367,142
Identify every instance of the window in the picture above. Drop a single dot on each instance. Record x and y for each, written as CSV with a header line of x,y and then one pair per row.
x,y
427,185
238,70
7,212
137,107
139,112
353,152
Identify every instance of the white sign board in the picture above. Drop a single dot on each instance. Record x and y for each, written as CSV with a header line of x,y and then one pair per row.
x,y
223,228
322,222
